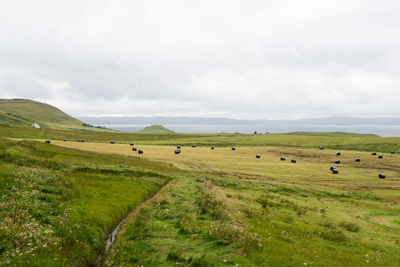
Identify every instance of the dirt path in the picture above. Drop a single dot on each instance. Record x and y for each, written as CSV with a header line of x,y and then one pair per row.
x,y
130,218
386,220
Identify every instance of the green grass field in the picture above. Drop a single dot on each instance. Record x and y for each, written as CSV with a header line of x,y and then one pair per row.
x,y
221,208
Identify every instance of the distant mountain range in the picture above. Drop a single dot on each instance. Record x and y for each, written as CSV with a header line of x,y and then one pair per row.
x,y
110,120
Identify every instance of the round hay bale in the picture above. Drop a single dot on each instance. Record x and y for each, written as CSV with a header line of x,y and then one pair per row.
x,y
373,153
134,149
258,156
132,144
357,160
382,176
47,142
79,140
380,156
178,147
193,145
337,161
65,140
83,140
212,148
321,147
392,152
338,154
335,171
293,161
177,151
112,142
140,151
283,158
233,148
332,168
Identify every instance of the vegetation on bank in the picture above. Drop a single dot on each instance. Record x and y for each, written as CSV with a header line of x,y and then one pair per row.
x,y
58,205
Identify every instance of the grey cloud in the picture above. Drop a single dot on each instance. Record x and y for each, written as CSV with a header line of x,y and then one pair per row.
x,y
264,59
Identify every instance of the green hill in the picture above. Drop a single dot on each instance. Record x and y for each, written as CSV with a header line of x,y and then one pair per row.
x,y
25,112
156,129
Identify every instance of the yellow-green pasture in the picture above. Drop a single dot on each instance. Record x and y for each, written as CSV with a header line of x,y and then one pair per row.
x,y
310,170
232,208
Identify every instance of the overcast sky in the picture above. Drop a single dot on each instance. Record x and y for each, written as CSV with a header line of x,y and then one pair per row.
x,y
277,59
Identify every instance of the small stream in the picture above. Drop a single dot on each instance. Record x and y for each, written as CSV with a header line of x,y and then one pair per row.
x,y
110,240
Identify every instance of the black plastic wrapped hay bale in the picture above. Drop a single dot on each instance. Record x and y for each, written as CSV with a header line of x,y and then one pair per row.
x,y
338,154
140,151
212,148
283,158
321,147
258,156
177,151
132,144
337,161
380,156
332,168
293,161
233,148
178,147
112,142
47,142
382,176
134,149
83,140
357,160
193,145
65,140
335,171
79,140
392,152
373,153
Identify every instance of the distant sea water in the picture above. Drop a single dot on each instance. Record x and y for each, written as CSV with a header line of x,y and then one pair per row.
x,y
382,130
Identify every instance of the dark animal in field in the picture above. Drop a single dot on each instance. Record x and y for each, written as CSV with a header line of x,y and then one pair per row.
x,y
382,176
258,156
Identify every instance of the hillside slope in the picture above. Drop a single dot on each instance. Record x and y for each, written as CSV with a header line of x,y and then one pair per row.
x,y
156,129
25,112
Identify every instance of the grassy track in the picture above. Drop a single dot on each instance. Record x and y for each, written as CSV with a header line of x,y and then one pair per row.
x,y
230,208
